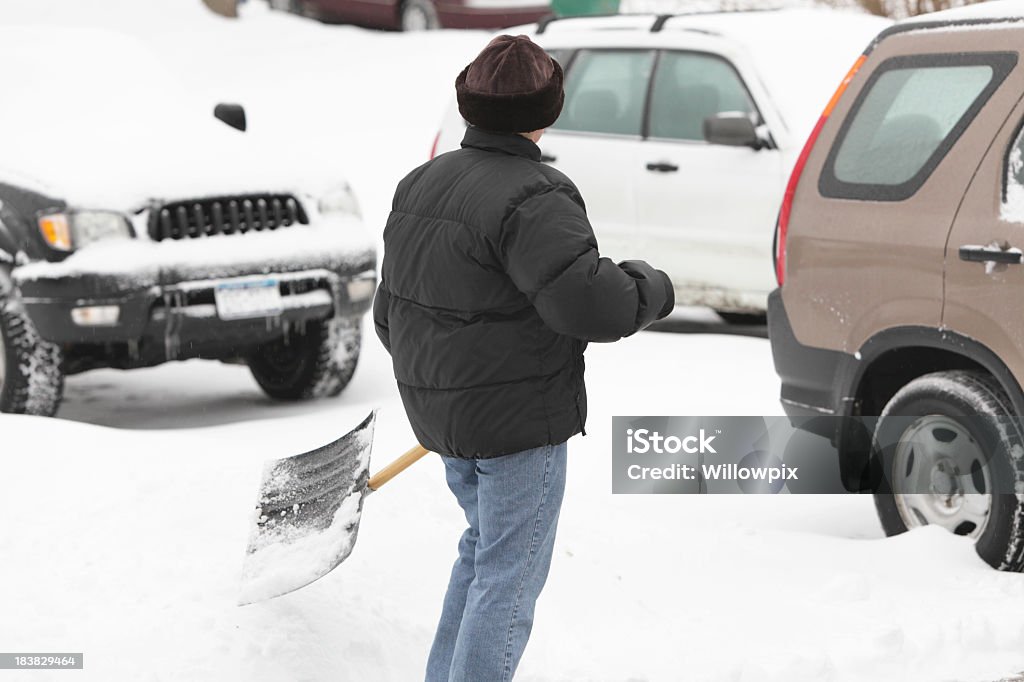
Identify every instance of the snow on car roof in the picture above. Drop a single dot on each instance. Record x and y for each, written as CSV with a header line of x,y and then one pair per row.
x,y
97,116
61,70
995,10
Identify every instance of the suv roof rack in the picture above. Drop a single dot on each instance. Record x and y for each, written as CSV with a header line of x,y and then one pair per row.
x,y
905,26
659,20
544,22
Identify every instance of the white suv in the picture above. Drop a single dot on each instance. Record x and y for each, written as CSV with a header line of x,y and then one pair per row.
x,y
681,130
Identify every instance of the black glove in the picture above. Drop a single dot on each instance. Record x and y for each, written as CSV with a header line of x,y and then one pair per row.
x,y
670,296
654,291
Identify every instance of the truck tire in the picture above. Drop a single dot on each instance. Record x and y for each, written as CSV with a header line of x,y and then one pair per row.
x,y
317,361
31,379
962,423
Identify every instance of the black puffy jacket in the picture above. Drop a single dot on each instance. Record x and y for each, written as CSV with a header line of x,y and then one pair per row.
x,y
490,288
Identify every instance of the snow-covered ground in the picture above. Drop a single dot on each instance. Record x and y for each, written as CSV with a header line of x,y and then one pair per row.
x,y
124,521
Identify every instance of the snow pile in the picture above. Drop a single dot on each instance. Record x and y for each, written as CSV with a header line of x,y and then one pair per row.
x,y
125,128
132,540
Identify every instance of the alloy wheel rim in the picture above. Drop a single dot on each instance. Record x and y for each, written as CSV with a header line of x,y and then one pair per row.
x,y
942,462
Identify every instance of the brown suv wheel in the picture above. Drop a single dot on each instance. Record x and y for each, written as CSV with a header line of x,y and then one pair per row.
x,y
959,450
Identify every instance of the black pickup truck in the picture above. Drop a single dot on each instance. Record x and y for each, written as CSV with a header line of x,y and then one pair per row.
x,y
130,240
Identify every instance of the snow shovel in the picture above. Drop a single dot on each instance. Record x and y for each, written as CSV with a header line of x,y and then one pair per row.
x,y
308,511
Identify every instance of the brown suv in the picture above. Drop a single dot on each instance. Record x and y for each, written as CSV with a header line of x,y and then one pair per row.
x,y
901,278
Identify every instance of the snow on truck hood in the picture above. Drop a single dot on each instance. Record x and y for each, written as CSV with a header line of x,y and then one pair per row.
x,y
95,118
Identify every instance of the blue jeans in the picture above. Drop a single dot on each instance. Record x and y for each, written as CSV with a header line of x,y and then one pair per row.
x,y
511,504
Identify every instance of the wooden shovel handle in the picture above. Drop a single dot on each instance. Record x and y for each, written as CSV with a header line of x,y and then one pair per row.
x,y
396,467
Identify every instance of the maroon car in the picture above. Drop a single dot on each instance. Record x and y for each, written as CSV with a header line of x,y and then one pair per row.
x,y
414,15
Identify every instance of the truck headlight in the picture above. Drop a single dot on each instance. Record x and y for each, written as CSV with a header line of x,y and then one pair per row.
x,y
340,199
74,229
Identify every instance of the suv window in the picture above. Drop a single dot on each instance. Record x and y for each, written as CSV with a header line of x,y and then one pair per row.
x,y
689,87
905,120
604,91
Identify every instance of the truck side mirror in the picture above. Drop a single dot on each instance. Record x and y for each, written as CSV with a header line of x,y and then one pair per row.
x,y
231,114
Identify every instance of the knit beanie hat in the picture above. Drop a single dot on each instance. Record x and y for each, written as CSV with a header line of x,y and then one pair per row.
x,y
512,86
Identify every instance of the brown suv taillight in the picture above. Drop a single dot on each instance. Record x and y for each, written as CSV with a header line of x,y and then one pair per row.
x,y
433,147
798,169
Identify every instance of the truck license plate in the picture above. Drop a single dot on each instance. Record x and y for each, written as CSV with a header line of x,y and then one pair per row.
x,y
243,299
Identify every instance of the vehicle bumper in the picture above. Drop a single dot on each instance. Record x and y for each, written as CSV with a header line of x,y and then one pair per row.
x,y
808,374
814,399
165,291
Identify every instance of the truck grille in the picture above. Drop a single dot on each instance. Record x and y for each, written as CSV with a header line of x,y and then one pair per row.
x,y
224,215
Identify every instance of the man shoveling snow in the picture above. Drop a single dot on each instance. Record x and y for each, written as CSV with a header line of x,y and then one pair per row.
x,y
491,287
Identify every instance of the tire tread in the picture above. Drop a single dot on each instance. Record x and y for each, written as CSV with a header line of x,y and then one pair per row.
x,y
34,381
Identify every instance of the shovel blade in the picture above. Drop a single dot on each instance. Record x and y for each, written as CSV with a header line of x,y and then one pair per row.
x,y
307,515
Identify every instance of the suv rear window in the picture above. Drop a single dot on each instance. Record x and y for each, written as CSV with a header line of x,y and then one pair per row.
x,y
905,120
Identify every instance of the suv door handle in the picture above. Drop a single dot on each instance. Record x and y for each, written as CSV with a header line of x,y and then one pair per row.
x,y
662,167
991,254
547,158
